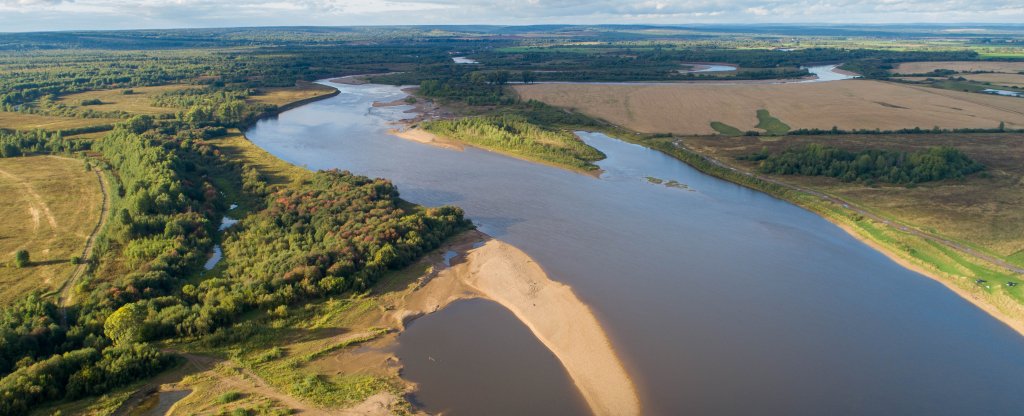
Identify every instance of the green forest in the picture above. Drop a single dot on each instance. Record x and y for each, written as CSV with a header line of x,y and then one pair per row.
x,y
869,166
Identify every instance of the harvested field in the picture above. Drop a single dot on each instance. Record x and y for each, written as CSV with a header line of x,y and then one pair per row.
x,y
959,66
24,121
53,204
689,108
983,209
138,102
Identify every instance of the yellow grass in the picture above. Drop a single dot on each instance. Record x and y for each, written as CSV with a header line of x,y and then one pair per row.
x,y
51,206
277,171
23,121
959,66
284,96
139,102
689,108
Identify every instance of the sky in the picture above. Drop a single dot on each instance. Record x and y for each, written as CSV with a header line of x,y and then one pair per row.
x,y
40,15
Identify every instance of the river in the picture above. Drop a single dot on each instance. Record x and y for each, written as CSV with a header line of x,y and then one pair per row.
x,y
721,300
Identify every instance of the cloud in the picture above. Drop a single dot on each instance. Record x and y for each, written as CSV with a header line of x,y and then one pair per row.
x,y
21,15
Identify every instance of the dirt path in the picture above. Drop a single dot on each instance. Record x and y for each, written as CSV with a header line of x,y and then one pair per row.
x,y
868,214
38,204
64,294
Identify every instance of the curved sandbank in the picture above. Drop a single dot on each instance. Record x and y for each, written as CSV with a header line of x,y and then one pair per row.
x,y
419,135
494,270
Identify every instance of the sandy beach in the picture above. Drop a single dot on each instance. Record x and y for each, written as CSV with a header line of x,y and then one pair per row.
x,y
422,136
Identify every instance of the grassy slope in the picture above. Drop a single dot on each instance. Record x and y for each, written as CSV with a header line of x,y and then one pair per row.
x,y
53,204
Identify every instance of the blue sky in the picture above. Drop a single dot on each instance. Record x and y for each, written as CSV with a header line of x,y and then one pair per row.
x,y
29,15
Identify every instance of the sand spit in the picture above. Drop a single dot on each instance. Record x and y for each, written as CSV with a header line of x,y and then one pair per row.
x,y
558,318
422,136
494,270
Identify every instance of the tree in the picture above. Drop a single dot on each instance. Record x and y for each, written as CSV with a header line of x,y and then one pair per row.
x,y
139,124
124,326
9,150
529,77
21,258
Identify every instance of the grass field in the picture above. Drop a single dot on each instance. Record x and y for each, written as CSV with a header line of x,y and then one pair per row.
x,y
982,210
285,96
138,102
51,207
690,108
24,121
276,171
959,66
726,129
770,124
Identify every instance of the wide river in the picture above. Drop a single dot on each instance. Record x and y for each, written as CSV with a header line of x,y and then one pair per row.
x,y
721,300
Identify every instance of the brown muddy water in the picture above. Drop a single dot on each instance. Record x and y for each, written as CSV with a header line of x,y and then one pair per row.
x,y
721,300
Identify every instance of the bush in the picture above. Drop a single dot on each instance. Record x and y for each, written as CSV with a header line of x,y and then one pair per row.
x,y
21,259
228,397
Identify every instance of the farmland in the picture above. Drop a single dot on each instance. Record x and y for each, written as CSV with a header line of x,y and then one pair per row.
x,y
690,108
959,66
54,204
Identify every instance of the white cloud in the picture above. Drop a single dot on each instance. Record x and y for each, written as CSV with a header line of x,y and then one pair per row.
x,y
758,11
20,15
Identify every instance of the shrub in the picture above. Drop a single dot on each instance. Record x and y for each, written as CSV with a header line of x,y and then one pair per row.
x,y
21,259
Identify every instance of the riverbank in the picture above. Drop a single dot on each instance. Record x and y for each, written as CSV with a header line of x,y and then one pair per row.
x,y
1015,321
851,221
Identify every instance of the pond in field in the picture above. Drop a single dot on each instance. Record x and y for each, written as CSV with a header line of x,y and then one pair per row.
x,y
720,300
